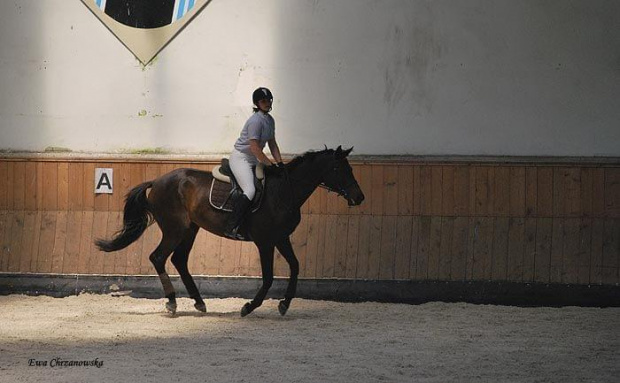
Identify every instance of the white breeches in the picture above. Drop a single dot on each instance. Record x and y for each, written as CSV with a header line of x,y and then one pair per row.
x,y
241,165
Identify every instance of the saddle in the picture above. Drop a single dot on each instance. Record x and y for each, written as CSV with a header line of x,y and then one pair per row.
x,y
225,190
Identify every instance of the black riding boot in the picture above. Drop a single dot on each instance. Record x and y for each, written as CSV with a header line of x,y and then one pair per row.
x,y
236,218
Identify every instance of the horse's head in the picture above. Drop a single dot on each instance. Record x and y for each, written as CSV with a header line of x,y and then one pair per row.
x,y
339,178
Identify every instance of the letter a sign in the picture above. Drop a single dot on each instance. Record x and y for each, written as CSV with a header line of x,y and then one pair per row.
x,y
104,181
145,27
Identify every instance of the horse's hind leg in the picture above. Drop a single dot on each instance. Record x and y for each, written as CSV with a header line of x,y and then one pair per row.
x,y
158,257
266,263
179,260
286,249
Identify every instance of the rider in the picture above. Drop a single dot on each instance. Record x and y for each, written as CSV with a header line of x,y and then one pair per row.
x,y
258,130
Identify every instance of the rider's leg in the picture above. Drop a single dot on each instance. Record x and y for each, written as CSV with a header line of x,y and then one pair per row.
x,y
241,166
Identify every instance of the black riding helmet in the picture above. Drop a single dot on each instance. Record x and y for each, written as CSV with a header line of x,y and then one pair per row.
x,y
261,94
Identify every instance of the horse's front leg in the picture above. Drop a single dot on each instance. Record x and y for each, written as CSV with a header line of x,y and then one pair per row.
x,y
266,263
286,249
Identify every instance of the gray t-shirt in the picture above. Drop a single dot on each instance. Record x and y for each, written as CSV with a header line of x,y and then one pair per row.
x,y
260,126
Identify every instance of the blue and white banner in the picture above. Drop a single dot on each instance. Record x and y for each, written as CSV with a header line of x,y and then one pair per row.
x,y
181,7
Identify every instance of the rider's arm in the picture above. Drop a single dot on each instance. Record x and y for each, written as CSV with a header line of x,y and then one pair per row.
x,y
258,153
275,150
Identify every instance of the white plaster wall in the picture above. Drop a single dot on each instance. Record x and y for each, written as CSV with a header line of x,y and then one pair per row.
x,y
493,77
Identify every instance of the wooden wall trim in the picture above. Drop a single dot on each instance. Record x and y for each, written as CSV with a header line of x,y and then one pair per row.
x,y
405,160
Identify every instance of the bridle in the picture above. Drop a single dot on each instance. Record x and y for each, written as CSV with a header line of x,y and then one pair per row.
x,y
341,190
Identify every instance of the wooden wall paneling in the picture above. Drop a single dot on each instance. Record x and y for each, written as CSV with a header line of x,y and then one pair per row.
x,y
4,185
531,191
10,188
612,192
6,233
299,240
445,248
100,230
312,249
516,249
390,190
405,190
86,242
280,266
152,171
436,190
365,183
46,242
557,250
6,223
611,251
587,178
112,226
598,189
329,252
353,228
448,190
460,249
415,245
584,251
424,248
417,191
212,256
426,190
388,248
499,256
60,241
483,247
150,240
482,190
73,241
249,255
544,188
15,244
462,189
50,186
19,185
133,256
544,233
374,254
377,196
88,199
363,252
342,231
120,257
137,174
316,267
76,186
529,255
122,184
30,241
596,251
195,257
570,253
572,186
501,191
63,186
517,190
229,257
470,261
402,251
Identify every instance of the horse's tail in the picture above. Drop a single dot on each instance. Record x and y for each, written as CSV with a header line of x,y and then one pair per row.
x,y
136,218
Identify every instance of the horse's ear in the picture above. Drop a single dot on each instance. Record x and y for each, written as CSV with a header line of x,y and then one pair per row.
x,y
339,150
348,151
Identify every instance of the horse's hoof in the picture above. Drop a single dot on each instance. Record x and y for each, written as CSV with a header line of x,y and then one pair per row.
x,y
201,307
171,308
283,307
246,309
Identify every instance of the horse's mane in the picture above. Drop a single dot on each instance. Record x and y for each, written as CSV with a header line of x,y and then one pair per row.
x,y
308,156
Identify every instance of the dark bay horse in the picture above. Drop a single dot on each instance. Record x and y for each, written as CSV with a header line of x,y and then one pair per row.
x,y
179,203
